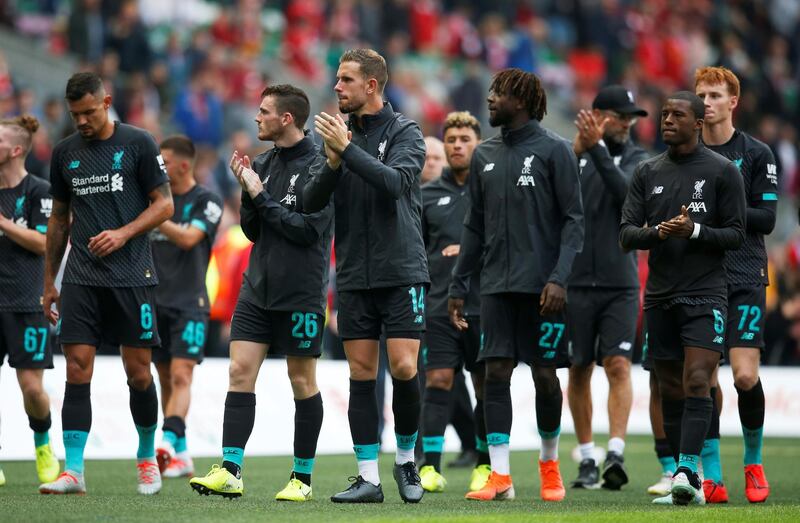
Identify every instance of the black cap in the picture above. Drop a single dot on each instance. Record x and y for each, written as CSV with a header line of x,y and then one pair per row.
x,y
617,98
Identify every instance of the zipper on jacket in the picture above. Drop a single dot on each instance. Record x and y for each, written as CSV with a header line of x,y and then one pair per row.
x,y
366,223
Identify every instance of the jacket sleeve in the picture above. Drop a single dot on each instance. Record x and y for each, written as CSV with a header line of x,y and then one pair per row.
x,y
402,167
567,185
302,229
615,178
471,237
248,218
762,207
320,186
732,210
633,232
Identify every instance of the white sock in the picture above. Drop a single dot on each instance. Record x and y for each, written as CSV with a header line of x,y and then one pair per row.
x,y
549,450
616,445
498,455
368,469
403,456
587,450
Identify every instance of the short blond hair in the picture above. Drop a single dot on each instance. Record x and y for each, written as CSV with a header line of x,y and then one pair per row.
x,y
22,128
459,119
715,76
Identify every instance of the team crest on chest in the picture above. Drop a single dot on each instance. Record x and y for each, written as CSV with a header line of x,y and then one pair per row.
x,y
291,197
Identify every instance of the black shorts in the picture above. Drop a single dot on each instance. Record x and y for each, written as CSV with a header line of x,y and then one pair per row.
x,y
445,347
25,337
287,333
670,330
747,306
182,333
512,328
400,311
116,315
602,323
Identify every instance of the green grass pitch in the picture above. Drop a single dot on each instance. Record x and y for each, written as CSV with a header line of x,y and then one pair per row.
x,y
112,493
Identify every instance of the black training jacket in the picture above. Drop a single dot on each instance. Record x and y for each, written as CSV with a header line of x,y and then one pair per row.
x,y
525,212
605,174
378,203
444,206
710,186
288,267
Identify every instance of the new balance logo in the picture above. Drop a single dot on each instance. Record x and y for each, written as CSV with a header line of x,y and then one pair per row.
x,y
526,165
718,340
418,319
74,164
146,336
526,181
617,160
488,167
46,206
444,200
697,207
625,345
116,183
748,336
658,189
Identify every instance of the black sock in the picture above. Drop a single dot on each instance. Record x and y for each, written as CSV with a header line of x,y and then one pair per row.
x,y
307,424
548,410
751,407
144,405
240,415
663,449
695,423
76,411
713,427
175,424
40,425
480,433
435,414
461,416
362,412
497,410
673,414
406,406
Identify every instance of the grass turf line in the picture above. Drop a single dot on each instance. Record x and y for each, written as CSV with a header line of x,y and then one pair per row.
x,y
112,493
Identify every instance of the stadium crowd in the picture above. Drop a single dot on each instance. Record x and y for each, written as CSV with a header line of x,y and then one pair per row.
x,y
199,67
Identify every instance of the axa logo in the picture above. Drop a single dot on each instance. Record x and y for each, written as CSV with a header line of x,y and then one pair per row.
x,y
213,212
46,206
289,199
658,189
116,183
526,180
698,189
488,167
382,150
116,165
526,165
74,164
697,207
444,200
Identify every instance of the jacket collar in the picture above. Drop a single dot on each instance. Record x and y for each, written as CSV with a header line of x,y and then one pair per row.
x,y
515,136
299,149
373,121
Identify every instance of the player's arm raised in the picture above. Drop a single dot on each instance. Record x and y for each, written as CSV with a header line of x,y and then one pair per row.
x,y
159,210
56,244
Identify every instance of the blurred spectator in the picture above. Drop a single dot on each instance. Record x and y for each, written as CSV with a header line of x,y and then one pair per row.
x,y
198,110
127,36
434,160
85,30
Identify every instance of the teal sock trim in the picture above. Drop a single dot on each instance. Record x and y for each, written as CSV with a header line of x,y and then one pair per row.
x,y
433,444
498,438
367,452
147,441
668,465
550,435
41,438
753,440
481,445
74,444
171,438
303,465
689,461
180,445
234,455
406,442
712,464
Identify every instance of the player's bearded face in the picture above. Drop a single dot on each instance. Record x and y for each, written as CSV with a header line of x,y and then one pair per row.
x,y
351,87
501,109
89,114
718,101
